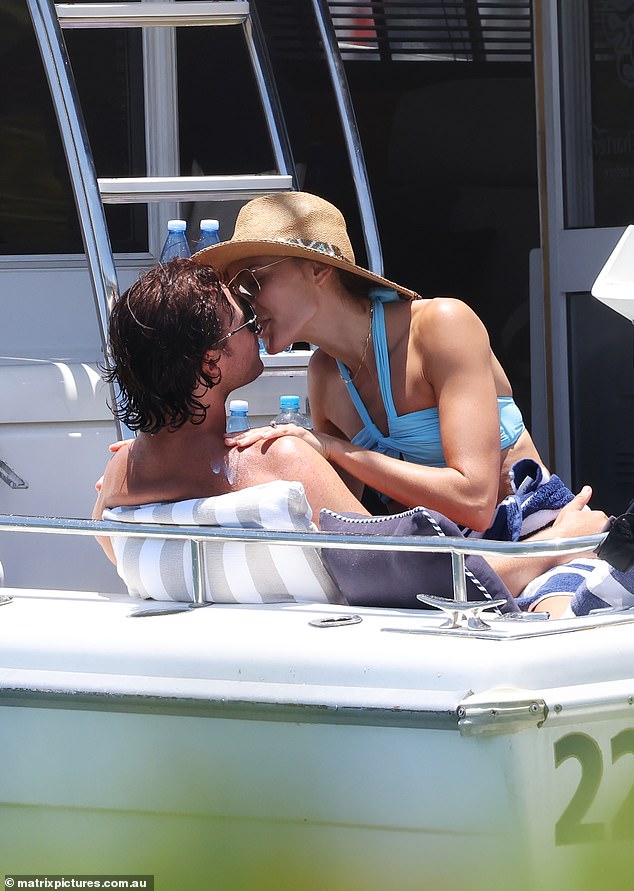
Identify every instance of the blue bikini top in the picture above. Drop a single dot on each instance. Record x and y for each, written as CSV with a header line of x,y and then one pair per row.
x,y
415,436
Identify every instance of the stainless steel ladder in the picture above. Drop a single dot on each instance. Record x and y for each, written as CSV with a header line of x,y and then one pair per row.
x,y
91,192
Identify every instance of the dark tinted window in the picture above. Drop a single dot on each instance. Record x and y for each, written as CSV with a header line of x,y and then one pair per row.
x,y
37,209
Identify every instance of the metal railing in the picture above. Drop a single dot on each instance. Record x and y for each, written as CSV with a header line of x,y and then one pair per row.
x,y
459,548
348,120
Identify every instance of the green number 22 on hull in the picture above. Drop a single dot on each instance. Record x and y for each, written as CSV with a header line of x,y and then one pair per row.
x,y
571,829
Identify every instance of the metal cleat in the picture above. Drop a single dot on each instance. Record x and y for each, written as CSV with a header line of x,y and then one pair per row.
x,y
460,613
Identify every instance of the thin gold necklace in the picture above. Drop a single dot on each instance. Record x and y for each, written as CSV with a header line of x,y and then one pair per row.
x,y
352,377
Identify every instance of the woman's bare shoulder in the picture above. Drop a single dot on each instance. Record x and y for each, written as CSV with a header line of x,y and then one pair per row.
x,y
441,310
322,365
441,321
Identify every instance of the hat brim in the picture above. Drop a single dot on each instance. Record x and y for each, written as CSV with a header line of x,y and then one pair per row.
x,y
222,255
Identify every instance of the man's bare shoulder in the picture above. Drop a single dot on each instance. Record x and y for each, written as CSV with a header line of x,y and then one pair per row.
x,y
284,458
277,458
290,458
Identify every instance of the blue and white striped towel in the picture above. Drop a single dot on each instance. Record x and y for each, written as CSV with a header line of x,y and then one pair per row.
x,y
592,584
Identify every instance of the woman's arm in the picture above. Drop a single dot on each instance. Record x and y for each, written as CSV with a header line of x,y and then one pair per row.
x,y
450,353
451,346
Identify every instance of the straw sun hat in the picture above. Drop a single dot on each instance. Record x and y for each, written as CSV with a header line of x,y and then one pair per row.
x,y
291,224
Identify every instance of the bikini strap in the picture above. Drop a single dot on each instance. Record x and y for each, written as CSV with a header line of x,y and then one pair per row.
x,y
382,359
354,395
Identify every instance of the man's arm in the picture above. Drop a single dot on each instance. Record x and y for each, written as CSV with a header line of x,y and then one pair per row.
x,y
104,486
97,511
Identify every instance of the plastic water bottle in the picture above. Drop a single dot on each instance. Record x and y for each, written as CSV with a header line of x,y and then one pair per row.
x,y
208,234
238,416
290,413
176,244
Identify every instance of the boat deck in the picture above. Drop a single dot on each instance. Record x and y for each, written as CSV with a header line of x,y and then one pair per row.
x,y
322,662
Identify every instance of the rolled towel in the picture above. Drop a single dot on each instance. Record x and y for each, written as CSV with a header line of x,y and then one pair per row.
x,y
536,499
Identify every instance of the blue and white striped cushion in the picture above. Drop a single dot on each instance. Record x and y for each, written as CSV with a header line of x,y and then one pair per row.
x,y
235,572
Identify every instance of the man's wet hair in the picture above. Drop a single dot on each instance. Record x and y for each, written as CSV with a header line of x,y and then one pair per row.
x,y
160,330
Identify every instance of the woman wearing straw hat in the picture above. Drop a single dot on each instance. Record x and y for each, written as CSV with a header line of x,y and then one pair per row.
x,y
406,395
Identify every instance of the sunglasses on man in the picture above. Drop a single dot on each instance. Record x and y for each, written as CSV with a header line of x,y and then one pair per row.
x,y
249,314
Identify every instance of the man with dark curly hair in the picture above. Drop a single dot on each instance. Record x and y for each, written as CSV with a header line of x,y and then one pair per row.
x,y
180,344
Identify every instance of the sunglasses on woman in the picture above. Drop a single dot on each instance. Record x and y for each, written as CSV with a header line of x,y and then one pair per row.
x,y
246,284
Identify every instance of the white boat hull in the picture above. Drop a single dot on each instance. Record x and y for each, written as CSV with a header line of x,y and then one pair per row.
x,y
243,744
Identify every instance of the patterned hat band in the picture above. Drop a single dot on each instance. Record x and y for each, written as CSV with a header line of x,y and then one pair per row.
x,y
331,250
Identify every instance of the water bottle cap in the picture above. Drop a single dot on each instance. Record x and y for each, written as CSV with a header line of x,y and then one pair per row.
x,y
289,403
176,225
209,225
239,406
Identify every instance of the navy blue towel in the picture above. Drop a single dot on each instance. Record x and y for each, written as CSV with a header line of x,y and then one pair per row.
x,y
536,499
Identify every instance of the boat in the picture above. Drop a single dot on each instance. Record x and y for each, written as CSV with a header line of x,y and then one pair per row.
x,y
278,745
310,745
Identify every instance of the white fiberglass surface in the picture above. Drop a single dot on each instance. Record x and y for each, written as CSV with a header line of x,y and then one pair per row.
x,y
276,646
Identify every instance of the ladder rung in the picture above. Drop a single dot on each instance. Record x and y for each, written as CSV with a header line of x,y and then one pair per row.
x,y
130,190
139,15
